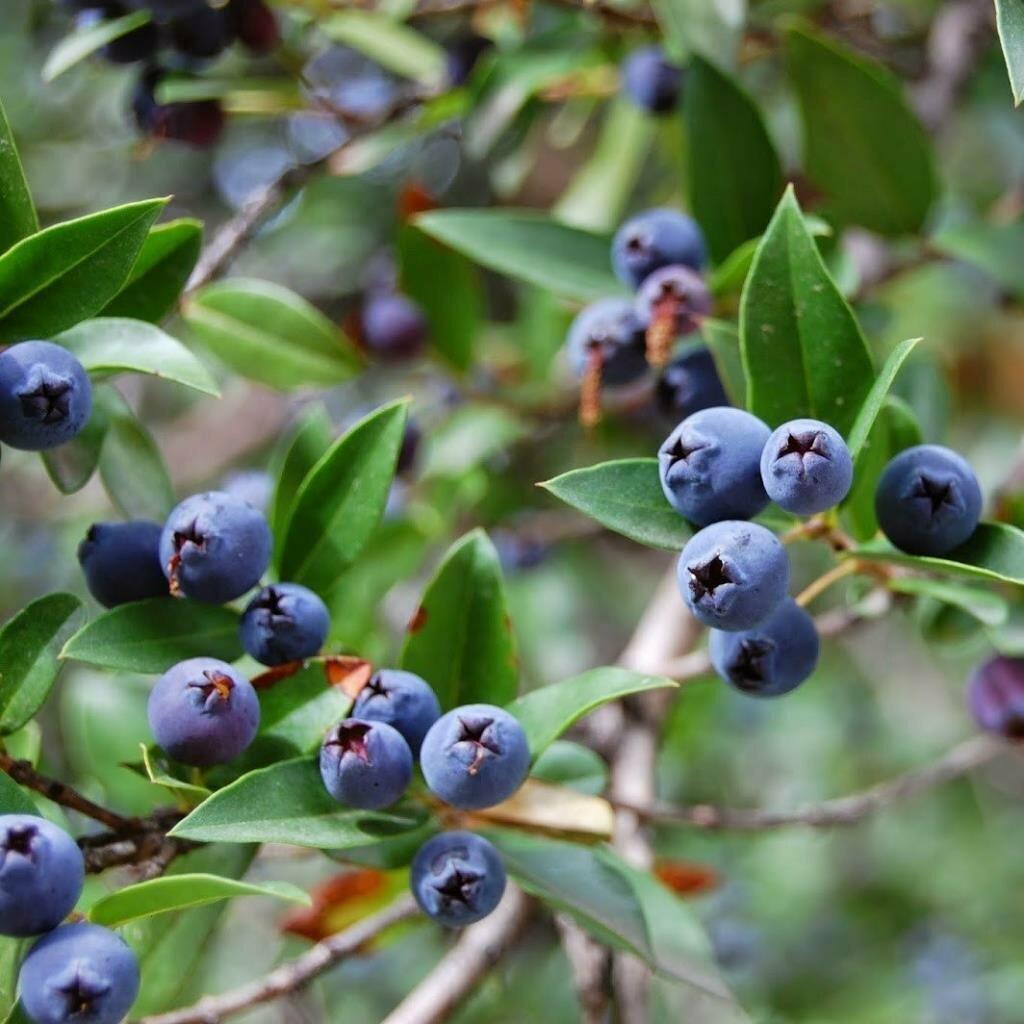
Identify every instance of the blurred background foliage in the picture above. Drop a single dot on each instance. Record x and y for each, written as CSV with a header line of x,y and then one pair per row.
x,y
909,916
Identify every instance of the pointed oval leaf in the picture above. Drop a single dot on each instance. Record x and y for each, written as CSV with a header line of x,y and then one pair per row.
x,y
151,636
988,608
566,763
626,496
342,500
299,710
74,48
876,397
292,462
1010,23
62,275
460,639
14,799
18,217
29,663
803,351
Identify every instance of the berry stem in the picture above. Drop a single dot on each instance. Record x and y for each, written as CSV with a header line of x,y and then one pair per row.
x,y
823,582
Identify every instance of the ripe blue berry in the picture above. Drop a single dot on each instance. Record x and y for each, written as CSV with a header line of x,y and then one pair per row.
x,y
733,575
457,878
214,547
41,875
928,500
203,32
770,659
402,700
284,622
674,293
79,974
655,239
393,327
202,712
608,328
710,465
995,696
650,81
690,383
806,467
365,764
410,448
255,24
121,562
475,756
198,123
45,396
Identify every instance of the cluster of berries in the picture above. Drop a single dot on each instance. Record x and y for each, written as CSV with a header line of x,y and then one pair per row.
x,y
186,32
80,971
722,466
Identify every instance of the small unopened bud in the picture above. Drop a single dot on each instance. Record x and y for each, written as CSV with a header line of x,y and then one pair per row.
x,y
995,696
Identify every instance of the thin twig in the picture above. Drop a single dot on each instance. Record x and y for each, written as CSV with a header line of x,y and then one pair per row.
x,y
291,976
844,810
588,963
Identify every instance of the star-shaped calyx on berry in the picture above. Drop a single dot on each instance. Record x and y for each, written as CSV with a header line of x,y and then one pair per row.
x,y
19,840
457,884
812,442
708,576
350,738
940,494
46,397
478,734
681,450
80,988
213,691
749,668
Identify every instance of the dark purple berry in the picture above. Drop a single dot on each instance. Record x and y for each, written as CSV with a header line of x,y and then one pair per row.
x,y
199,123
255,24
462,57
608,329
410,448
393,327
203,33
806,467
403,700
121,562
676,293
365,764
654,239
650,81
995,696
284,622
689,384
457,878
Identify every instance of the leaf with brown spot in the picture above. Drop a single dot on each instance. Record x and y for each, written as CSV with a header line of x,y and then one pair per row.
x,y
350,892
418,620
267,679
348,673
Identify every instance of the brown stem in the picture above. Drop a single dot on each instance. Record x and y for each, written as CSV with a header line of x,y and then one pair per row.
x,y
588,963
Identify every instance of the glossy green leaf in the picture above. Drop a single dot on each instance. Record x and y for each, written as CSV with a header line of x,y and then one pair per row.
x,y
67,273
708,27
448,289
863,146
1010,23
82,43
11,953
547,712
996,248
29,662
988,608
267,333
733,171
566,763
300,709
14,799
342,500
460,639
151,636
160,273
71,465
111,345
302,450
876,397
391,44
287,803
626,496
180,892
18,217
529,247
803,351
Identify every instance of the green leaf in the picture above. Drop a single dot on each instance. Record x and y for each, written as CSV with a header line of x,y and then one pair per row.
x,y
626,496
29,664
13,799
293,461
988,608
570,764
994,552
160,273
723,339
342,500
110,345
470,436
996,248
733,171
287,803
529,247
74,48
300,709
460,639
863,146
179,892
267,333
67,273
151,636
876,397
18,217
547,712
803,352
71,465
447,286
708,27
391,44
12,952
1010,23
157,768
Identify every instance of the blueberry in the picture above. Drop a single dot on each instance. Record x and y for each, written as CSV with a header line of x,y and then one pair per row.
x,y
121,562
255,25
733,575
676,293
45,396
204,32
284,622
608,327
79,974
403,700
457,878
462,56
202,712
710,465
770,659
198,123
690,383
393,327
806,467
928,500
995,696
475,756
214,547
655,239
365,764
41,875
650,81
